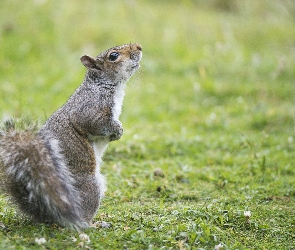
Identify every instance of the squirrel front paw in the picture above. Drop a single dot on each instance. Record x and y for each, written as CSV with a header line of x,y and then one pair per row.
x,y
117,131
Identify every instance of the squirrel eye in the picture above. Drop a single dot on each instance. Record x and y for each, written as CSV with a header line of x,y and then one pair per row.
x,y
113,56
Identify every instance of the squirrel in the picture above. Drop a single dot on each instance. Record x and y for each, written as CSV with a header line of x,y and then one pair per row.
x,y
53,175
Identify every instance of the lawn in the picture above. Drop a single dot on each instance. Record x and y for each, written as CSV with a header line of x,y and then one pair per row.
x,y
209,120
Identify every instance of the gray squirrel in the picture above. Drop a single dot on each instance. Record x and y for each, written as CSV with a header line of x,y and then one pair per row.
x,y
53,175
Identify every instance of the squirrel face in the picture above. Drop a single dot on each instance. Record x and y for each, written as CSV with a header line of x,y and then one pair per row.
x,y
117,64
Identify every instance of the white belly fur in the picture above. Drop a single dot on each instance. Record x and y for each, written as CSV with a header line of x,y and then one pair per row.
x,y
99,147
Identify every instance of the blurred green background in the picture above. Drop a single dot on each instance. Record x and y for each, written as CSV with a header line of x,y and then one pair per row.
x,y
225,48
213,106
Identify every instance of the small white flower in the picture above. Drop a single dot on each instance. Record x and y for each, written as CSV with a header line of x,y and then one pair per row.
x,y
84,237
247,214
218,247
40,241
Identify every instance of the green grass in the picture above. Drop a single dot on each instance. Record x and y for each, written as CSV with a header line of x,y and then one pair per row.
x,y
213,107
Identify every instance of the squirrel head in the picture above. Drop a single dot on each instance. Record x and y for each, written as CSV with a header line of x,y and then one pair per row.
x,y
117,64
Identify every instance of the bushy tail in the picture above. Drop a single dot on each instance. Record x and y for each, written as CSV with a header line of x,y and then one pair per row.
x,y
37,179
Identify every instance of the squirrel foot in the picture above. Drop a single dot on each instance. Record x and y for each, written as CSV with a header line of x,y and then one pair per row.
x,y
100,224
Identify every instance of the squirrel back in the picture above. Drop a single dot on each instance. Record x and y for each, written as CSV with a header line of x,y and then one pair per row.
x,y
54,175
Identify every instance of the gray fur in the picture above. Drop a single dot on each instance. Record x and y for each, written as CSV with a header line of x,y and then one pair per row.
x,y
54,175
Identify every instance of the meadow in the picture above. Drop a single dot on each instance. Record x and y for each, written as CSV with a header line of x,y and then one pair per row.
x,y
209,120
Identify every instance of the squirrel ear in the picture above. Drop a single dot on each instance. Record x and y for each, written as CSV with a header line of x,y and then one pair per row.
x,y
89,62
